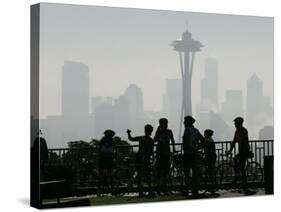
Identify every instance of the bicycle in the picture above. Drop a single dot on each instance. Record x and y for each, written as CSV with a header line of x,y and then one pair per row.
x,y
176,174
206,181
226,172
207,175
125,177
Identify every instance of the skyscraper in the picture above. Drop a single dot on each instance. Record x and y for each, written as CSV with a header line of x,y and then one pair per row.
x,y
222,130
209,94
121,116
134,97
233,105
75,89
96,101
172,97
76,122
254,95
209,91
256,102
103,118
259,111
172,101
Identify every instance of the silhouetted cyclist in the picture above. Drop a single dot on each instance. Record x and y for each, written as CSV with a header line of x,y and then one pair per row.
x,y
241,137
192,142
144,157
210,156
106,149
163,137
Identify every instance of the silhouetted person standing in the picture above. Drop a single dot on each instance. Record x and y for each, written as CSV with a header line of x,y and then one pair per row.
x,y
39,155
241,137
38,161
144,157
210,156
163,137
106,150
192,142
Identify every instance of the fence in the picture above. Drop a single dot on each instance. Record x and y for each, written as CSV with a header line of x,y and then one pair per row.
x,y
83,162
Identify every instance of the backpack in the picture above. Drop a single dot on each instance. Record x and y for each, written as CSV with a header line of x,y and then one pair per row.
x,y
190,141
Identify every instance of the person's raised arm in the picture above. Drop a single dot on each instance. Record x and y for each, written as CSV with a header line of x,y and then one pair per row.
x,y
130,136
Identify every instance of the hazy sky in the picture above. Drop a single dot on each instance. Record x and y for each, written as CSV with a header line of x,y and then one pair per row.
x,y
123,46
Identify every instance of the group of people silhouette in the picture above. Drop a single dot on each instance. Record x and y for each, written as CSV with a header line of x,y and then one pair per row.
x,y
192,141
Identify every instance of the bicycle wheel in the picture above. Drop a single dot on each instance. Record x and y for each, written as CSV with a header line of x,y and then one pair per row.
x,y
254,172
176,171
177,176
225,174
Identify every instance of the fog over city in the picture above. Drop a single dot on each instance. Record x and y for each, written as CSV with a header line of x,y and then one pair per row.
x,y
114,68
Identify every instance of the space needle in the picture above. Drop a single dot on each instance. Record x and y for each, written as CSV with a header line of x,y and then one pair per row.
x,y
186,46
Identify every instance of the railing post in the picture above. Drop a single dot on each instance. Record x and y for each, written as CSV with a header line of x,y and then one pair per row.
x,y
268,174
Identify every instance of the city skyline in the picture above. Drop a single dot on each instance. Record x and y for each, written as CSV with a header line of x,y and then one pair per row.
x,y
138,51
202,95
87,117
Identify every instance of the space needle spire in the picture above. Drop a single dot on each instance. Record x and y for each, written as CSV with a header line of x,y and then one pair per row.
x,y
186,47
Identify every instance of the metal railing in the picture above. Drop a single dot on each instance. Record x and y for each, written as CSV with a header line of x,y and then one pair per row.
x,y
83,162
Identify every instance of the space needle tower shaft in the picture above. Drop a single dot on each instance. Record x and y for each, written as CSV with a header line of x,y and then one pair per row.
x,y
186,47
